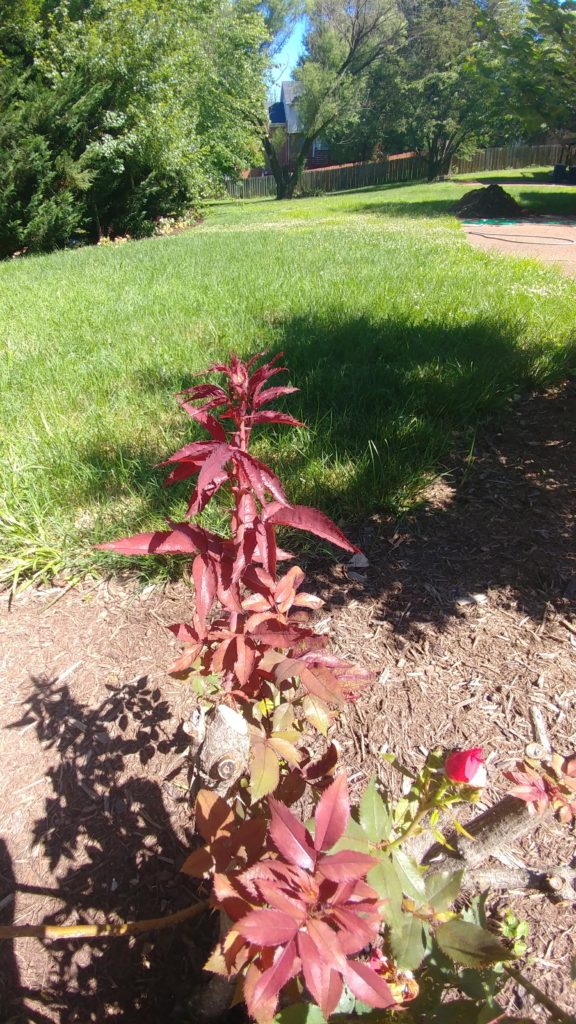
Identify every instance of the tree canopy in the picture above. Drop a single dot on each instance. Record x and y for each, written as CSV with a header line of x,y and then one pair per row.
x,y
117,111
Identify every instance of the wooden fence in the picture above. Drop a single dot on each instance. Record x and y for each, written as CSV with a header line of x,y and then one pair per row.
x,y
507,157
398,169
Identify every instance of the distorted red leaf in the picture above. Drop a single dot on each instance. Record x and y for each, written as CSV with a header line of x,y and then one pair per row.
x,y
302,517
368,986
322,982
332,814
267,927
290,837
205,585
272,416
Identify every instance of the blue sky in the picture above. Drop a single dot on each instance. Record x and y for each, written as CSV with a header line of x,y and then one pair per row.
x,y
287,58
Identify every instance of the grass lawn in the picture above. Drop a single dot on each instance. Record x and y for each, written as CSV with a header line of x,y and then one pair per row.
x,y
400,336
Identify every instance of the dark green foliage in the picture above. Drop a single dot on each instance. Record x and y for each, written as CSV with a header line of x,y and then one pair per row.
x,y
116,112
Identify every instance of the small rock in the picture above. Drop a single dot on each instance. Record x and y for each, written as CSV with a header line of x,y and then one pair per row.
x,y
358,561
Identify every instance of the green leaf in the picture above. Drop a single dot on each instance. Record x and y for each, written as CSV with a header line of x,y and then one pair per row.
x,y
354,838
470,945
385,881
300,1013
410,876
442,888
409,942
374,816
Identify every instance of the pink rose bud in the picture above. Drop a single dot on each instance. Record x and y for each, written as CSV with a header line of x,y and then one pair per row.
x,y
467,767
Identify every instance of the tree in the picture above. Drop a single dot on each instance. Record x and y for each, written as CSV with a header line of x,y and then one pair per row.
x,y
342,42
117,111
541,64
442,88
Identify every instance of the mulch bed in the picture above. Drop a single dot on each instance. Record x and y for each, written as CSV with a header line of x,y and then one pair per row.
x,y
466,611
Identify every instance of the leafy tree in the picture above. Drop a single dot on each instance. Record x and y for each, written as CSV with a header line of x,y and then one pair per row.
x,y
118,111
443,88
541,64
342,42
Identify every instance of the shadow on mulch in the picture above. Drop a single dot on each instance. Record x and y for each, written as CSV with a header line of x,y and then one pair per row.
x,y
113,852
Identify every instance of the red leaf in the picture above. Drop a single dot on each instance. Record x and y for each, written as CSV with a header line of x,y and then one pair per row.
x,y
267,927
327,943
301,517
290,837
184,663
182,540
368,986
201,391
265,372
212,815
280,901
323,983
356,932
332,813
345,865
263,996
263,397
198,451
183,471
211,474
271,416
244,662
266,539
205,582
261,478
205,420
286,588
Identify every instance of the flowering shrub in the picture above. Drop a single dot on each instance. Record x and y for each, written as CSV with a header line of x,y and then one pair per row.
x,y
338,912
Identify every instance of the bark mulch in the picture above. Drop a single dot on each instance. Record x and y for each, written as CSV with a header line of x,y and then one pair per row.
x,y
467,613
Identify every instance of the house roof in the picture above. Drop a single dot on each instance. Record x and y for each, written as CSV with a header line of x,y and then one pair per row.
x,y
289,93
285,111
276,113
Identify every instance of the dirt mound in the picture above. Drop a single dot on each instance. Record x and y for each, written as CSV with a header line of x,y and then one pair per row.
x,y
488,202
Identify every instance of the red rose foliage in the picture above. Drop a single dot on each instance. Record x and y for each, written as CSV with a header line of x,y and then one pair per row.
x,y
302,910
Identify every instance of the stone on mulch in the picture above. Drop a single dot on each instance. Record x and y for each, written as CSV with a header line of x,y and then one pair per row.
x,y
488,202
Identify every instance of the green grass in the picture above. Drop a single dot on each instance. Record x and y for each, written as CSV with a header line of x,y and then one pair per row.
x,y
536,175
399,335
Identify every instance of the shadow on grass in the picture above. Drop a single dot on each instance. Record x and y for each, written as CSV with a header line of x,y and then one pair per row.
x,y
420,208
547,201
110,848
386,398
405,405
502,522
387,402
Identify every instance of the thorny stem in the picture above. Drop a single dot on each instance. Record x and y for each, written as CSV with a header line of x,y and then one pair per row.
x,y
555,1011
96,931
420,813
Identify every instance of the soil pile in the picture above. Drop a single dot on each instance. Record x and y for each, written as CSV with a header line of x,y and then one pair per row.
x,y
487,203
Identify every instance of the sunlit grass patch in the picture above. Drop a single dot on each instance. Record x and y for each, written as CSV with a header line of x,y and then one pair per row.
x,y
397,332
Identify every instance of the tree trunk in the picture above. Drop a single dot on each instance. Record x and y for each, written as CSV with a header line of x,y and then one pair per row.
x,y
281,174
